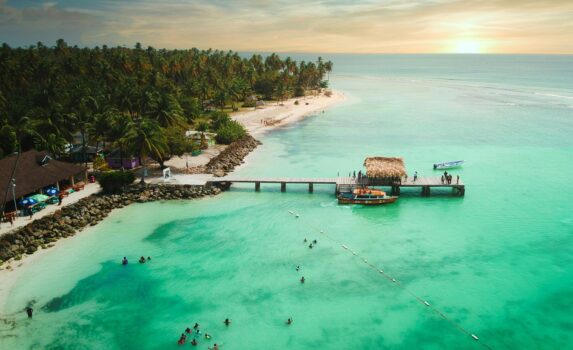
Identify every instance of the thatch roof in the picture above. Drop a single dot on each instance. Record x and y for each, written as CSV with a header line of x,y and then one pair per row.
x,y
384,167
35,170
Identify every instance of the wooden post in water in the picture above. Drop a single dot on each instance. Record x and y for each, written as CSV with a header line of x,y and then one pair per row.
x,y
310,187
283,186
257,186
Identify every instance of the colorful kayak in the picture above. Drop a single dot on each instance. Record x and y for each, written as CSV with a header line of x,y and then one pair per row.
x,y
448,165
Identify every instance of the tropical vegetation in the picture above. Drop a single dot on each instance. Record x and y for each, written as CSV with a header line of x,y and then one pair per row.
x,y
137,100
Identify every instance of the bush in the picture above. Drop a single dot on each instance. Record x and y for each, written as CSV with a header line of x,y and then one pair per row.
x,y
229,132
115,181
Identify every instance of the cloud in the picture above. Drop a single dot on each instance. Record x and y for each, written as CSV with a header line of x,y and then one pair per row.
x,y
524,26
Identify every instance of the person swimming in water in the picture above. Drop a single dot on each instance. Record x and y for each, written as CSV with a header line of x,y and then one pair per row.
x,y
182,339
226,322
124,261
148,258
142,260
29,311
302,279
289,321
196,326
298,267
207,336
314,242
310,246
194,342
305,240
188,330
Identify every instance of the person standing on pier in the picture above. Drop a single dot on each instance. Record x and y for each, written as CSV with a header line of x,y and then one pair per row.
x,y
457,179
442,179
415,176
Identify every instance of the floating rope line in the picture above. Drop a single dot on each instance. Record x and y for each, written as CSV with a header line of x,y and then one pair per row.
x,y
393,280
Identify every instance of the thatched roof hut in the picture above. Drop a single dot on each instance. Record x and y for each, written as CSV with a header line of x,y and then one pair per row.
x,y
384,167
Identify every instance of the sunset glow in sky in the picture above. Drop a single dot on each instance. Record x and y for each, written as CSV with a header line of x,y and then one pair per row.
x,y
369,26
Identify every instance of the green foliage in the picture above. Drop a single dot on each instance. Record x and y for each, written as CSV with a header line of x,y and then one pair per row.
x,y
177,143
229,132
115,181
218,120
47,94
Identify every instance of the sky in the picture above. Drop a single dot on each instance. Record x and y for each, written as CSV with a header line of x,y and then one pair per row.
x,y
350,26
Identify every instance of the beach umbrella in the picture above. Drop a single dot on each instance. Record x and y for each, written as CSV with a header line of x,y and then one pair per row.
x,y
27,201
39,197
52,191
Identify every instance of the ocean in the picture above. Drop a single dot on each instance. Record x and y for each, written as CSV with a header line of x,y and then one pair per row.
x,y
495,263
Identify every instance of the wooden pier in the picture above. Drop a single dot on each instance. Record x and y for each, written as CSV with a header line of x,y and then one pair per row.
x,y
343,184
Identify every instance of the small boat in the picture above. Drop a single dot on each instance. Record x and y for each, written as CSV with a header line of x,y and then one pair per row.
x,y
448,165
366,196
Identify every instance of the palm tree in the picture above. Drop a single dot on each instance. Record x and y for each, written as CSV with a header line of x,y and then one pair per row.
x,y
147,139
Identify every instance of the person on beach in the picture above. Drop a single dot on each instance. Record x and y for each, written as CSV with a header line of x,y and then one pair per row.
x,y
302,279
227,322
60,199
30,211
415,176
124,261
289,321
29,311
142,260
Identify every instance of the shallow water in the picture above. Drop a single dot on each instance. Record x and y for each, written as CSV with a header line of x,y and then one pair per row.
x,y
496,262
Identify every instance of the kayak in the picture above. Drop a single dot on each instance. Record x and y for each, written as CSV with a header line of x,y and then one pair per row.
x,y
448,165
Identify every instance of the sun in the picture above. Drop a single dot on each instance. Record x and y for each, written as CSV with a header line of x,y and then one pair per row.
x,y
468,46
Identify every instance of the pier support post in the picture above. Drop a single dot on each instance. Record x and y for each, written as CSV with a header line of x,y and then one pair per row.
x,y
257,186
310,187
283,186
425,191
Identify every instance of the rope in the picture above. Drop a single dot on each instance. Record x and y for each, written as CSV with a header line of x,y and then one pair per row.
x,y
393,280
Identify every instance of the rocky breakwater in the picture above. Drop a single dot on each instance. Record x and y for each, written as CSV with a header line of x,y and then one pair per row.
x,y
232,156
88,211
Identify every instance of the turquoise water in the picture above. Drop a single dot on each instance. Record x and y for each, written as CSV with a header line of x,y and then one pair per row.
x,y
497,262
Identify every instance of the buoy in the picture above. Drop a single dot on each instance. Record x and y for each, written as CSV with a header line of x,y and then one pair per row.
x,y
297,215
345,247
475,337
426,303
394,280
290,211
366,261
381,271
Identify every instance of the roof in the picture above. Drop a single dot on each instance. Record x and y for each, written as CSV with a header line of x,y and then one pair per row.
x,y
31,175
384,167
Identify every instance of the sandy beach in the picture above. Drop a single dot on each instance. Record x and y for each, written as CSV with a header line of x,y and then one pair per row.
x,y
275,115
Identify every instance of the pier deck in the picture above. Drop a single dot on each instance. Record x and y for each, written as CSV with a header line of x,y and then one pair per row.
x,y
343,184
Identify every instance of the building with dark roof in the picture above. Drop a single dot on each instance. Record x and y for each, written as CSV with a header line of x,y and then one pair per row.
x,y
32,171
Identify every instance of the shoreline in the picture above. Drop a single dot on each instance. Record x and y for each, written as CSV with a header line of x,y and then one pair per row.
x,y
278,115
286,113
